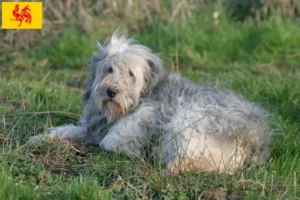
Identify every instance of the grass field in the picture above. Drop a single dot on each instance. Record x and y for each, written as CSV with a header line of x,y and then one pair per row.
x,y
260,61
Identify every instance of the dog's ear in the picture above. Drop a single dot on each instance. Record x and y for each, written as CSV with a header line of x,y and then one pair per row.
x,y
156,74
155,68
155,64
96,58
90,79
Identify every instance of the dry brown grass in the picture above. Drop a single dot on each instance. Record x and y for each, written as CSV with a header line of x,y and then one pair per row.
x,y
58,156
89,15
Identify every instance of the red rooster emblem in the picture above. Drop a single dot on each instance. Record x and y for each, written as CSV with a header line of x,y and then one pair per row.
x,y
25,14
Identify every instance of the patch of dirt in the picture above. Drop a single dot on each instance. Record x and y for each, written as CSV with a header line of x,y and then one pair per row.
x,y
58,156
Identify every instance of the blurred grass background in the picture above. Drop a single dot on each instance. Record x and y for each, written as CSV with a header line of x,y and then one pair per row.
x,y
251,46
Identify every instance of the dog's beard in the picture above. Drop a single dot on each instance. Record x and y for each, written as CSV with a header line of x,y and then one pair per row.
x,y
113,108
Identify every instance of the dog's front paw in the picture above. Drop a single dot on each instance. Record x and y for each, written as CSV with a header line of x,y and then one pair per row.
x,y
115,143
53,131
56,132
35,139
108,143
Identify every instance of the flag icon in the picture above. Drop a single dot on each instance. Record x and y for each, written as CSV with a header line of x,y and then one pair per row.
x,y
22,15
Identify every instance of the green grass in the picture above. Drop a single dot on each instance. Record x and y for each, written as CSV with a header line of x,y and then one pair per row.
x,y
260,62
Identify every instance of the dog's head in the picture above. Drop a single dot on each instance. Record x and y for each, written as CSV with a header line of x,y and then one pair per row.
x,y
121,73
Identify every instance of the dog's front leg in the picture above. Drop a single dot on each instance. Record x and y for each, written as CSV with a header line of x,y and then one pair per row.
x,y
130,134
69,132
122,139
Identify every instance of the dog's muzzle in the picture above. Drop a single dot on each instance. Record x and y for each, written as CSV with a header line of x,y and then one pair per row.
x,y
110,92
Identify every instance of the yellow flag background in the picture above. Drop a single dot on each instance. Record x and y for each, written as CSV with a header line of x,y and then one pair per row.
x,y
8,19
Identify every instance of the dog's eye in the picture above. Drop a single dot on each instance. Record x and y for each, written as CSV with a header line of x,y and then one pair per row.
x,y
131,74
110,70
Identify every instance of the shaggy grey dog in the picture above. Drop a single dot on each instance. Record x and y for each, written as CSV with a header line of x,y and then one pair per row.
x,y
132,103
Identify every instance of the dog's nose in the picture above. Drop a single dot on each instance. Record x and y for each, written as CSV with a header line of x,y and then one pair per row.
x,y
110,92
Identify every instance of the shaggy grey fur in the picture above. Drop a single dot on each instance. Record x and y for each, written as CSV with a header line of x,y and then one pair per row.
x,y
189,126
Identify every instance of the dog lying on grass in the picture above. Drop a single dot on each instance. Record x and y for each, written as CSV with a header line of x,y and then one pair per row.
x,y
131,104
